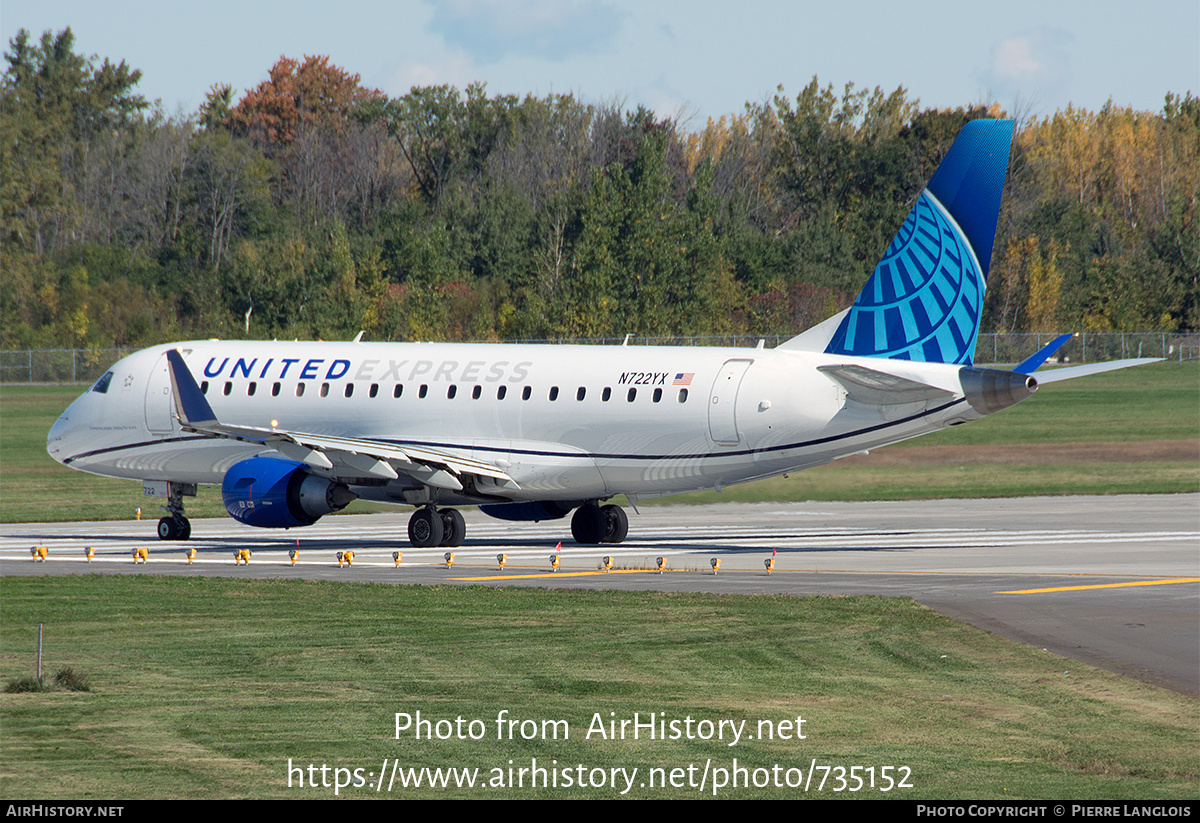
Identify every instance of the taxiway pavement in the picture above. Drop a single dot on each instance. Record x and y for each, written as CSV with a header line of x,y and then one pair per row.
x,y
1113,581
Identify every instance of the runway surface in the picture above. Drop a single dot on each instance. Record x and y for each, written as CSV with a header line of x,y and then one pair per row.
x,y
1113,581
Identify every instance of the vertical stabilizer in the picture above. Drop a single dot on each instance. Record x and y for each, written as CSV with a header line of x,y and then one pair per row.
x,y
924,299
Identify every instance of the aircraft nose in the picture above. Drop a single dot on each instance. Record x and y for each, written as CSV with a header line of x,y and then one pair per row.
x,y
62,441
56,443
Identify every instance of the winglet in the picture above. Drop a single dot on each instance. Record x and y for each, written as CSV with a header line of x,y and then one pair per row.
x,y
1032,364
190,403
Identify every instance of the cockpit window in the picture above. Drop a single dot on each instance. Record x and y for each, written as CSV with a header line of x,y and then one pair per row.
x,y
102,384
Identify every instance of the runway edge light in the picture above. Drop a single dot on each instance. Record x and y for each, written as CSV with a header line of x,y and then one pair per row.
x,y
716,564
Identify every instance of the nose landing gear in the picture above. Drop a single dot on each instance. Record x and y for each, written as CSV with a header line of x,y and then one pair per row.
x,y
175,526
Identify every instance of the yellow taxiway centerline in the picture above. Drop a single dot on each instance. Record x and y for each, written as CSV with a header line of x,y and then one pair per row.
x,y
1107,586
557,574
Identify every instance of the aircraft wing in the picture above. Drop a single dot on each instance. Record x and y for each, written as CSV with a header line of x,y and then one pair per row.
x,y
363,458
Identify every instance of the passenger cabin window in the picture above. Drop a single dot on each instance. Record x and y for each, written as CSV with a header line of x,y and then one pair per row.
x,y
451,392
632,394
324,389
501,391
424,390
526,393
374,390
203,387
349,389
606,394
228,388
554,392
476,392
399,390
275,390
251,389
580,392
299,389
657,395
683,395
101,386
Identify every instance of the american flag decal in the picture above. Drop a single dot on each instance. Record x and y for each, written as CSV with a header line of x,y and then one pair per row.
x,y
684,379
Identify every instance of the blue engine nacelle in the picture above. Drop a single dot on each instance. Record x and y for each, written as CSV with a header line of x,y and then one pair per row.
x,y
532,510
278,494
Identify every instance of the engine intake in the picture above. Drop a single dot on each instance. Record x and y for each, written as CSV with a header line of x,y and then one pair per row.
x,y
279,494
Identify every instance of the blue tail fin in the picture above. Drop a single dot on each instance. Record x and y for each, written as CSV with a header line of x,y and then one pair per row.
x,y
924,299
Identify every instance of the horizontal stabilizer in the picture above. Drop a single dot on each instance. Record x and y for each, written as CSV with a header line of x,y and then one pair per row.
x,y
878,388
1070,372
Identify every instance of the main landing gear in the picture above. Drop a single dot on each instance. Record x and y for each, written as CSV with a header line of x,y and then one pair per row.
x,y
592,524
174,526
430,527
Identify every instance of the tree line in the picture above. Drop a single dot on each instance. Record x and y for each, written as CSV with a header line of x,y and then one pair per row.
x,y
314,207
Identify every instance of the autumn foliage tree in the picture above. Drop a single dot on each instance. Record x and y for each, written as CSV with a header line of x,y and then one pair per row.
x,y
298,95
315,207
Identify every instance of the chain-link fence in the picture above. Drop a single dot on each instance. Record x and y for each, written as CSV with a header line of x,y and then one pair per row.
x,y
57,365
1088,347
87,365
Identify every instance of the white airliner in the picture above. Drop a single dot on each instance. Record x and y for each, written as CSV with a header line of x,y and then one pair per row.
x,y
292,431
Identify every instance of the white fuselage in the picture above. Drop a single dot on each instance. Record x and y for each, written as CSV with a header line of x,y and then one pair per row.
x,y
564,422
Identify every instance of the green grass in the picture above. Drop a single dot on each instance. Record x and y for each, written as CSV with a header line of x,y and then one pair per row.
x,y
205,687
1157,406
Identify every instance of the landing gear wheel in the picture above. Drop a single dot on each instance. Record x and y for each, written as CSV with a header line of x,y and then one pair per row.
x,y
454,528
174,528
425,528
588,525
616,524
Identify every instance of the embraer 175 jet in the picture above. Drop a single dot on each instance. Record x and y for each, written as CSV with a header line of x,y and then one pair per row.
x,y
292,431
